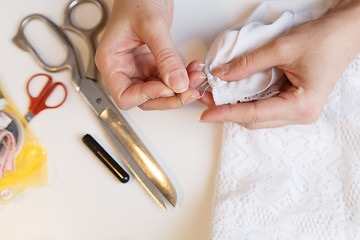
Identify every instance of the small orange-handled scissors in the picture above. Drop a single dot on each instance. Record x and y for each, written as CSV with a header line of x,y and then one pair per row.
x,y
38,103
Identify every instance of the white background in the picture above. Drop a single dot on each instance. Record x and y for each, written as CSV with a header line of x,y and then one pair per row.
x,y
83,200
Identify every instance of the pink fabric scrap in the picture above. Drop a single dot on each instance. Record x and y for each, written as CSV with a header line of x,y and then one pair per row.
x,y
7,152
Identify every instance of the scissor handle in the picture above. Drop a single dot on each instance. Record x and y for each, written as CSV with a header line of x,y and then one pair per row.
x,y
38,103
89,33
72,60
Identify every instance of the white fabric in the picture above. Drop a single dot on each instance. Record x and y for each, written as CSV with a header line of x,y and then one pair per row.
x,y
4,120
295,182
267,22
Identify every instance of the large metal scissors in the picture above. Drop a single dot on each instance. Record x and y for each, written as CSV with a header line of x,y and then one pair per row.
x,y
132,150
90,35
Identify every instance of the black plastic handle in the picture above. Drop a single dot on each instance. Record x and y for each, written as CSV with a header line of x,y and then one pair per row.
x,y
109,162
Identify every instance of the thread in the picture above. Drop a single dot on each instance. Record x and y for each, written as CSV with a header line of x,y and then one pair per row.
x,y
203,93
202,84
223,73
205,82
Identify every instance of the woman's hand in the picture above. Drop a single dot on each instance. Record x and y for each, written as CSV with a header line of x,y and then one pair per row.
x,y
313,56
137,59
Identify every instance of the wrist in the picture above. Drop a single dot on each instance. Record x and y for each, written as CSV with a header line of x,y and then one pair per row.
x,y
349,10
344,19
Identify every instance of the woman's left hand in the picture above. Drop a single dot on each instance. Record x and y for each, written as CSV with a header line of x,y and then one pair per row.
x,y
313,56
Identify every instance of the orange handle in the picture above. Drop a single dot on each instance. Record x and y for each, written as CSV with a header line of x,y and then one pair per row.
x,y
38,103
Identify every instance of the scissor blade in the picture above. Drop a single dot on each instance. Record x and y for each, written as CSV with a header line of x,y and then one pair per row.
x,y
130,147
131,164
29,116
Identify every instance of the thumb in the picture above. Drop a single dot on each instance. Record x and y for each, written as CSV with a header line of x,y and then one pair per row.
x,y
169,64
249,63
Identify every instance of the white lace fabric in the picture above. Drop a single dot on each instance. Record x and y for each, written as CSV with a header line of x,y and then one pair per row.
x,y
295,182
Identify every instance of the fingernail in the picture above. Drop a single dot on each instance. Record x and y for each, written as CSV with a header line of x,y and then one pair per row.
x,y
202,65
178,82
193,97
205,121
202,120
203,76
221,71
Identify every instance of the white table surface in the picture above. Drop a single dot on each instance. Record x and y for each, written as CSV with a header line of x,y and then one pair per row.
x,y
83,200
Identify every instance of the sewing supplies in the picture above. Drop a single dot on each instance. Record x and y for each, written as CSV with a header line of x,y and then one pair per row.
x,y
9,135
7,152
11,128
38,103
13,124
22,156
129,146
105,158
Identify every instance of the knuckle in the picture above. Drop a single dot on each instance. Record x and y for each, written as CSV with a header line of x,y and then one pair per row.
x,y
122,102
309,111
167,56
97,59
247,59
255,114
175,102
304,110
145,107
152,21
312,116
227,113
100,60
123,106
282,47
251,126
243,62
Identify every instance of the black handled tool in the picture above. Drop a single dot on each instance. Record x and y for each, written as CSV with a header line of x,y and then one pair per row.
x,y
110,163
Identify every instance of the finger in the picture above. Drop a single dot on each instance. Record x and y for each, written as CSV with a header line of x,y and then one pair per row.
x,y
196,65
156,35
285,107
207,99
197,79
172,102
189,96
196,74
264,57
270,124
127,95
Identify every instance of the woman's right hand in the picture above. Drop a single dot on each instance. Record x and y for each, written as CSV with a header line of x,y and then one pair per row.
x,y
138,60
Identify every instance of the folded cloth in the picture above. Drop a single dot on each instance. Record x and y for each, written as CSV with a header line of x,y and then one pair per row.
x,y
294,182
267,22
7,152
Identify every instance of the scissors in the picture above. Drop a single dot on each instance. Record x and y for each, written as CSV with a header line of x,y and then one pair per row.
x,y
131,149
38,103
